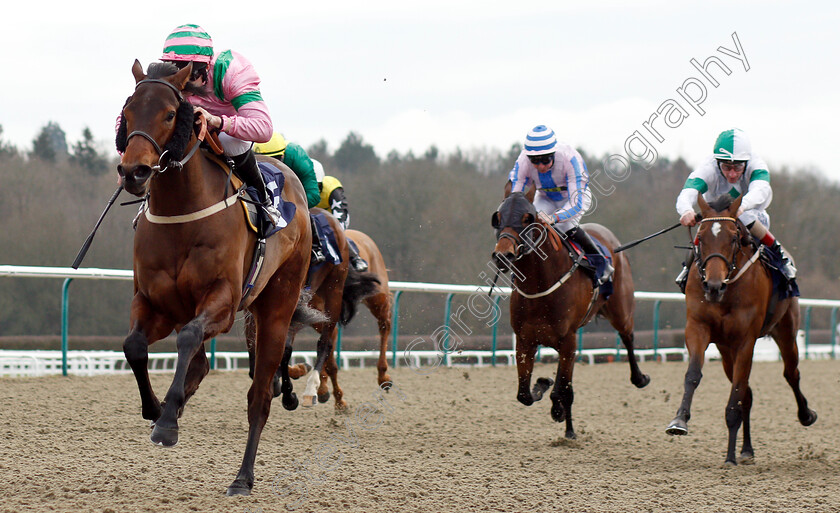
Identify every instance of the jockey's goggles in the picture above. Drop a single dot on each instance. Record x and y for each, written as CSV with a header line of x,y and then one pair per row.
x,y
541,159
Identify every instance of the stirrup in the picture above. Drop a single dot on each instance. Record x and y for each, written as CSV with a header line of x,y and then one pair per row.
x,y
317,256
788,269
682,276
359,264
608,272
273,214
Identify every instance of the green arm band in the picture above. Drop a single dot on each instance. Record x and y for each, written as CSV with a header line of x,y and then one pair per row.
x,y
696,183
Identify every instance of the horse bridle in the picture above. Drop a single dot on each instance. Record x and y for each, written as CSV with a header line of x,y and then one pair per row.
x,y
731,265
177,164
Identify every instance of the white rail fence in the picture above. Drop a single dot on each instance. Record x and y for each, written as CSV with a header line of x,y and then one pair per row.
x,y
89,363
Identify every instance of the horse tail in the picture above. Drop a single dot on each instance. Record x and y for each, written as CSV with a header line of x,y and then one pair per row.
x,y
357,286
304,314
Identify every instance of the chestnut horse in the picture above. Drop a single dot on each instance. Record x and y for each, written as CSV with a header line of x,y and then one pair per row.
x,y
731,302
552,298
336,291
378,302
192,254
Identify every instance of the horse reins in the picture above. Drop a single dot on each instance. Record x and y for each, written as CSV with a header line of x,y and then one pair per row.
x,y
554,237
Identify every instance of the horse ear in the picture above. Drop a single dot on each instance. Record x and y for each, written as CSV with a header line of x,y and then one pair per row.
x,y
496,220
137,71
705,209
181,78
733,208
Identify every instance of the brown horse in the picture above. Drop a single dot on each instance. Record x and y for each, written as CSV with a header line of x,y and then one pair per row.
x,y
336,290
190,266
552,298
731,302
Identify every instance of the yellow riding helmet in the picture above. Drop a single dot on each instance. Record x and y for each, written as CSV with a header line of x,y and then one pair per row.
x,y
275,147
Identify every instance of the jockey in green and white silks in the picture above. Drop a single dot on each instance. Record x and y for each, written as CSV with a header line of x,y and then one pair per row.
x,y
559,174
735,170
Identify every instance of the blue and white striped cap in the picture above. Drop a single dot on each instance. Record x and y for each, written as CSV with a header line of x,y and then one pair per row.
x,y
540,140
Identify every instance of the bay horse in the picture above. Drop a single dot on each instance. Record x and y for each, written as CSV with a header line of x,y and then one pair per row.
x,y
335,290
731,302
190,266
552,298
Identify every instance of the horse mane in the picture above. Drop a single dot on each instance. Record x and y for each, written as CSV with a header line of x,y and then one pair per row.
x,y
721,203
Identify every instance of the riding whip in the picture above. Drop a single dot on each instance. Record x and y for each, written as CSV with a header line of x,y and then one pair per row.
x,y
652,235
89,240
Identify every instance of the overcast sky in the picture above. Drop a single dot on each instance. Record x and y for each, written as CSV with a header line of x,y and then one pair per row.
x,y
408,75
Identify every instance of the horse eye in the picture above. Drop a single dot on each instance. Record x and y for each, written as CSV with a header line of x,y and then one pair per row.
x,y
170,116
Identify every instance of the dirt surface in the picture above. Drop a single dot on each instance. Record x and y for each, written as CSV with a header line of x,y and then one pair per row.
x,y
455,440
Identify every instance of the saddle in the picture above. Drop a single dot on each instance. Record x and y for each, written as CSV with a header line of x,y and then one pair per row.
x,y
592,265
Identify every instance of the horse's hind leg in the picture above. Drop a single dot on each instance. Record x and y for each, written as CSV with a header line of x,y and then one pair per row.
x,y
639,379
696,341
563,395
738,365
380,306
284,387
785,336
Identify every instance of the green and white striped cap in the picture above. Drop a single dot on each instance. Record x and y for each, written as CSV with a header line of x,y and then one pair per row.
x,y
733,144
188,43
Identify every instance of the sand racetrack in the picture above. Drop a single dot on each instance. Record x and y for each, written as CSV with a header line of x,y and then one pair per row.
x,y
456,440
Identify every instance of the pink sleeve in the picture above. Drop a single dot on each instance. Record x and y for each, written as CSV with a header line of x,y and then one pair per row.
x,y
241,85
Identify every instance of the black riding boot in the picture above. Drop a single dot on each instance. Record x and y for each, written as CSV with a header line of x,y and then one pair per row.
x,y
356,260
317,252
682,278
245,166
588,246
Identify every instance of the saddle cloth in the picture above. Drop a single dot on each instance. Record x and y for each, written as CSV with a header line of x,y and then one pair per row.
x,y
274,180
783,287
599,264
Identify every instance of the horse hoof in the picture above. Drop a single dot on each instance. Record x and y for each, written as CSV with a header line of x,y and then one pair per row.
x,y
386,383
323,398
558,414
290,402
643,382
276,390
309,401
729,464
809,419
238,488
570,435
167,437
677,427
746,458
341,405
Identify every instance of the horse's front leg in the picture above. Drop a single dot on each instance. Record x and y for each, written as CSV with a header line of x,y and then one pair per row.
x,y
215,317
525,352
696,340
331,369
147,328
313,382
563,395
